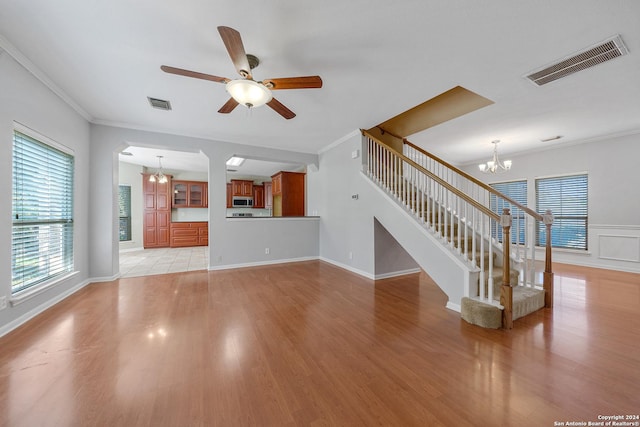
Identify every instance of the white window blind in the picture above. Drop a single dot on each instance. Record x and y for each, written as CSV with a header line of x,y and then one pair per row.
x,y
566,196
42,232
517,191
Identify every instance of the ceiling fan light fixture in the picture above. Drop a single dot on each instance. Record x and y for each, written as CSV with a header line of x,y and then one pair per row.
x,y
248,92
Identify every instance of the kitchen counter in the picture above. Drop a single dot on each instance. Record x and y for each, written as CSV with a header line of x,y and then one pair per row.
x,y
247,218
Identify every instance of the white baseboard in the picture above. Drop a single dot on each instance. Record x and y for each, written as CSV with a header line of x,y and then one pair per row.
x,y
397,273
105,279
261,263
5,329
454,307
349,268
139,248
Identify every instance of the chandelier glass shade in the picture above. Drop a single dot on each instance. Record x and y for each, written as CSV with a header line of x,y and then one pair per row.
x,y
248,92
495,165
159,176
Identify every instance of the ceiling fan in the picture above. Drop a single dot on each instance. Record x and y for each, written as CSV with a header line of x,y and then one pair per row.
x,y
246,90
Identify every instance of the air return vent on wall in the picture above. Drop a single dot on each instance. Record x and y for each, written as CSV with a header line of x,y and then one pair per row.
x,y
605,51
160,104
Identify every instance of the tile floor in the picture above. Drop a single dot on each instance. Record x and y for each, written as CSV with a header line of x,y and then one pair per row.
x,y
146,262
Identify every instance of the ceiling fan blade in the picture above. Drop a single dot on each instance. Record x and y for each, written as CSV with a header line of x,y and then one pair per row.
x,y
233,42
194,74
279,108
306,82
228,106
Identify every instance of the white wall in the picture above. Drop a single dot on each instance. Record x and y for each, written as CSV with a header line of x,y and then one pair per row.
x,y
390,256
24,99
346,224
397,244
614,196
231,243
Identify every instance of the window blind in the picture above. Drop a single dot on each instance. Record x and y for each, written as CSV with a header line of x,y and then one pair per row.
x,y
516,190
42,210
566,196
124,211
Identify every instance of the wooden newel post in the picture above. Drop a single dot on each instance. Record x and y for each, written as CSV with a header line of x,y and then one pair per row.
x,y
506,291
547,284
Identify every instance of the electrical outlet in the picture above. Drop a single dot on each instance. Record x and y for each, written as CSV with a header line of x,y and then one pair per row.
x,y
266,251
350,255
3,302
220,258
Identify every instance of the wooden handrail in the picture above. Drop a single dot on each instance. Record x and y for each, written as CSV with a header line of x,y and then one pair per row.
x,y
437,179
476,181
506,291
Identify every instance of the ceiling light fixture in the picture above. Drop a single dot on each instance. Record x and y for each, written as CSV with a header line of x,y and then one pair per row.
x,y
495,165
159,176
248,92
235,161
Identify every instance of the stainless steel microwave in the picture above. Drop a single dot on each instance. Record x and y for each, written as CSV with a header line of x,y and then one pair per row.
x,y
242,202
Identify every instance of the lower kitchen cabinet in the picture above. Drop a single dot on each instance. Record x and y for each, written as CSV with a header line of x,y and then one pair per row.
x,y
184,234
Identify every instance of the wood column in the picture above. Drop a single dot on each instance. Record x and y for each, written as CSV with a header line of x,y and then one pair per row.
x,y
547,283
506,291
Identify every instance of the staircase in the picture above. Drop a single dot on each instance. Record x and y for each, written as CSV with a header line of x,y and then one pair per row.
x,y
454,212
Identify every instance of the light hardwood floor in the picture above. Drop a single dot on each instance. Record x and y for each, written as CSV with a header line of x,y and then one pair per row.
x,y
311,344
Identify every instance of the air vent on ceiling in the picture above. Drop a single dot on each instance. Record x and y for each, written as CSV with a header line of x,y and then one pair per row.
x,y
605,51
160,104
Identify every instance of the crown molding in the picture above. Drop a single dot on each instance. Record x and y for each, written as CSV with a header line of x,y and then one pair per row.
x,y
339,141
567,144
21,59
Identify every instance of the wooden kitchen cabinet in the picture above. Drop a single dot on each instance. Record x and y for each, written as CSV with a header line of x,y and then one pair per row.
x,y
258,196
189,194
156,220
241,188
184,234
276,184
288,193
268,195
229,196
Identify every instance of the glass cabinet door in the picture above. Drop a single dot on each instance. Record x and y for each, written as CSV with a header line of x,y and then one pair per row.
x,y
179,194
196,195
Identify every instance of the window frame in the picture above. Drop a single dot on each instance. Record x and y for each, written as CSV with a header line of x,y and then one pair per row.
x,y
540,228
68,236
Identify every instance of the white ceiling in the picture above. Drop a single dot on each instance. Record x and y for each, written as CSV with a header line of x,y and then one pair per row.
x,y
197,162
376,58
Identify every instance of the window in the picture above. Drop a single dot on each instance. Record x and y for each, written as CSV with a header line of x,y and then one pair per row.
x,y
566,196
517,191
124,209
42,231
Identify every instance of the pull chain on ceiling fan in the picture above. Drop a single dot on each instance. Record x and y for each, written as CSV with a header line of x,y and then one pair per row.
x,y
246,90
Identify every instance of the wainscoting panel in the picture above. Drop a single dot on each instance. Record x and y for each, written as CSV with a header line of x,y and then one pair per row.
x,y
620,248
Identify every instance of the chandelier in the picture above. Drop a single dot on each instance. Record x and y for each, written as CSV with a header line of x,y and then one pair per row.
x,y
495,165
159,176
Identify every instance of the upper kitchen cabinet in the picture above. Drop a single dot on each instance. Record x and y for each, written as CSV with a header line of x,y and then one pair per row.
x,y
189,194
241,188
268,195
288,193
258,196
